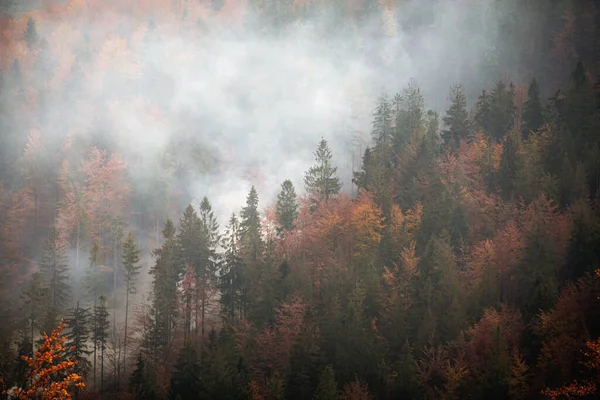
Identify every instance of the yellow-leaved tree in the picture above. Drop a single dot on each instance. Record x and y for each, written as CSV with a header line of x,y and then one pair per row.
x,y
50,375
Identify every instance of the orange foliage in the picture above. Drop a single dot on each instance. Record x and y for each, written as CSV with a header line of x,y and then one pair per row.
x,y
367,223
584,388
356,390
50,375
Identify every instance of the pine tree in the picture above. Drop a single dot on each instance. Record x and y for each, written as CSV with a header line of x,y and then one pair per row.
x,y
327,388
100,329
34,299
185,379
483,112
231,277
502,109
510,163
142,382
382,121
250,229
409,118
131,258
207,274
287,207
165,275
77,324
54,268
320,180
193,253
30,35
533,116
456,118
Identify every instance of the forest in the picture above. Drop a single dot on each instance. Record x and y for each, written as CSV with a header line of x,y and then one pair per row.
x,y
286,199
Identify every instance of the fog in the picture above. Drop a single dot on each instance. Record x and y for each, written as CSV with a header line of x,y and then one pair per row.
x,y
250,103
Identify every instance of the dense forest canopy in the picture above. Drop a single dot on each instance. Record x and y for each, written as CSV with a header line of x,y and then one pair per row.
x,y
279,199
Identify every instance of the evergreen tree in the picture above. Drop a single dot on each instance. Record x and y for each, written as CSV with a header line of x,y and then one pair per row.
x,y
30,35
165,275
409,117
34,299
54,268
509,164
533,116
287,208
210,263
483,113
193,253
131,258
77,336
456,118
100,329
231,279
502,110
320,180
382,121
250,229
185,379
327,388
142,382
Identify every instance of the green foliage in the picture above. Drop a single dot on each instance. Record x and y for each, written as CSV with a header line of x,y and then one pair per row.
x,y
456,118
287,207
77,337
320,180
185,379
54,268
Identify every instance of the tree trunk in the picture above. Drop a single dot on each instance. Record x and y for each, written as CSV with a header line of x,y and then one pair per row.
x,y
125,338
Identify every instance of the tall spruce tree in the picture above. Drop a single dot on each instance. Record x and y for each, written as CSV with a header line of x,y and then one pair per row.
x,y
100,328
287,207
231,277
131,259
533,116
54,268
77,336
206,275
185,379
34,299
165,275
320,180
193,253
382,121
31,35
456,118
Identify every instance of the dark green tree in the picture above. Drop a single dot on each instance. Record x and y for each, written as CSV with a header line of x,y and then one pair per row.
x,y
206,275
54,268
533,116
287,207
131,259
30,35
34,298
142,382
327,388
165,276
382,121
100,327
320,180
231,277
510,163
185,379
77,324
456,118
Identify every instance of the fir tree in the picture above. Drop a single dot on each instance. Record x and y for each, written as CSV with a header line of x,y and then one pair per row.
x,y
131,258
456,118
250,229
193,253
165,275
54,268
142,382
327,388
185,379
34,299
287,208
30,35
409,118
231,278
509,163
77,323
207,274
382,121
502,110
532,110
320,180
100,329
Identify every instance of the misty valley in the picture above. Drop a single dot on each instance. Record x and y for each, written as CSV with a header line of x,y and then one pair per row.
x,y
300,199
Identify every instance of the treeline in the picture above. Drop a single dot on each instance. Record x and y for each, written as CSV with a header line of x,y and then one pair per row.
x,y
466,267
